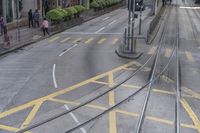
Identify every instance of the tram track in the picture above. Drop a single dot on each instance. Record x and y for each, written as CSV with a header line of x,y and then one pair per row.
x,y
152,79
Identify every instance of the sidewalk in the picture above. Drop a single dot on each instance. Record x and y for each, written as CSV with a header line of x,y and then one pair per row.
x,y
27,36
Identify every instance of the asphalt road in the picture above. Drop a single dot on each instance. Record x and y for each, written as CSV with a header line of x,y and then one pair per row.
x,y
55,74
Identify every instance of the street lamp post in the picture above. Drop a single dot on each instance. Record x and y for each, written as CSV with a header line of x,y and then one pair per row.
x,y
4,5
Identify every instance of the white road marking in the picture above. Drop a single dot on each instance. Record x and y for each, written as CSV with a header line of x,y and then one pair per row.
x,y
90,33
100,30
67,50
75,119
105,18
66,107
54,76
112,22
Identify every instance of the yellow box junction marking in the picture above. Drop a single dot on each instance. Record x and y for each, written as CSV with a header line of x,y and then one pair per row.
x,y
102,41
31,115
112,114
65,40
137,87
168,52
53,39
191,92
152,50
191,114
11,129
35,103
123,112
189,56
89,40
115,41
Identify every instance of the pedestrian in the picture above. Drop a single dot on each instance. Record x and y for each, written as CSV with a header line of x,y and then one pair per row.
x,y
45,26
30,18
36,18
163,2
1,25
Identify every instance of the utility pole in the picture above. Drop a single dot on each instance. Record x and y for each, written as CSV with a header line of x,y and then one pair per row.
x,y
18,30
4,5
140,21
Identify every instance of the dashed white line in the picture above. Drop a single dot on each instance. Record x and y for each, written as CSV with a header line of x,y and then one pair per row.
x,y
67,50
75,119
105,18
112,22
54,76
100,30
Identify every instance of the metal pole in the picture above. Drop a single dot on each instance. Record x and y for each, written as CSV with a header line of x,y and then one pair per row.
x,y
18,30
4,5
140,23
133,25
129,21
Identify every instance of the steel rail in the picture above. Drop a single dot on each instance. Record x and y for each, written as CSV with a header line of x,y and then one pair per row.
x,y
178,91
88,101
152,74
125,100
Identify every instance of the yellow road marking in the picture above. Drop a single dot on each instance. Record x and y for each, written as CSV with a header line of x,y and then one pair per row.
x,y
65,40
53,39
112,114
191,114
102,41
31,115
168,52
137,87
167,79
89,40
130,69
133,114
152,50
115,41
11,129
76,103
191,92
189,56
63,91
77,40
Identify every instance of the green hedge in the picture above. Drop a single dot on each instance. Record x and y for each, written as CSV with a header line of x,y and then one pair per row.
x,y
80,8
101,4
71,10
59,14
55,15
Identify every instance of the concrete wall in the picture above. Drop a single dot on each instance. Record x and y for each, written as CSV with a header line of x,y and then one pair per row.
x,y
31,4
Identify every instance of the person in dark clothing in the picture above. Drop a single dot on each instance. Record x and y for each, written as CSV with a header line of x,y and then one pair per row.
x,y
30,18
163,2
36,18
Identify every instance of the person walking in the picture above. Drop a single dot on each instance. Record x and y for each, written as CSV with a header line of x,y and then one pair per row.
x,y
36,18
45,26
1,25
30,18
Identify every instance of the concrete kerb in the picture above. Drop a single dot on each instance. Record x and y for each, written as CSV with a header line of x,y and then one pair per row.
x,y
35,41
